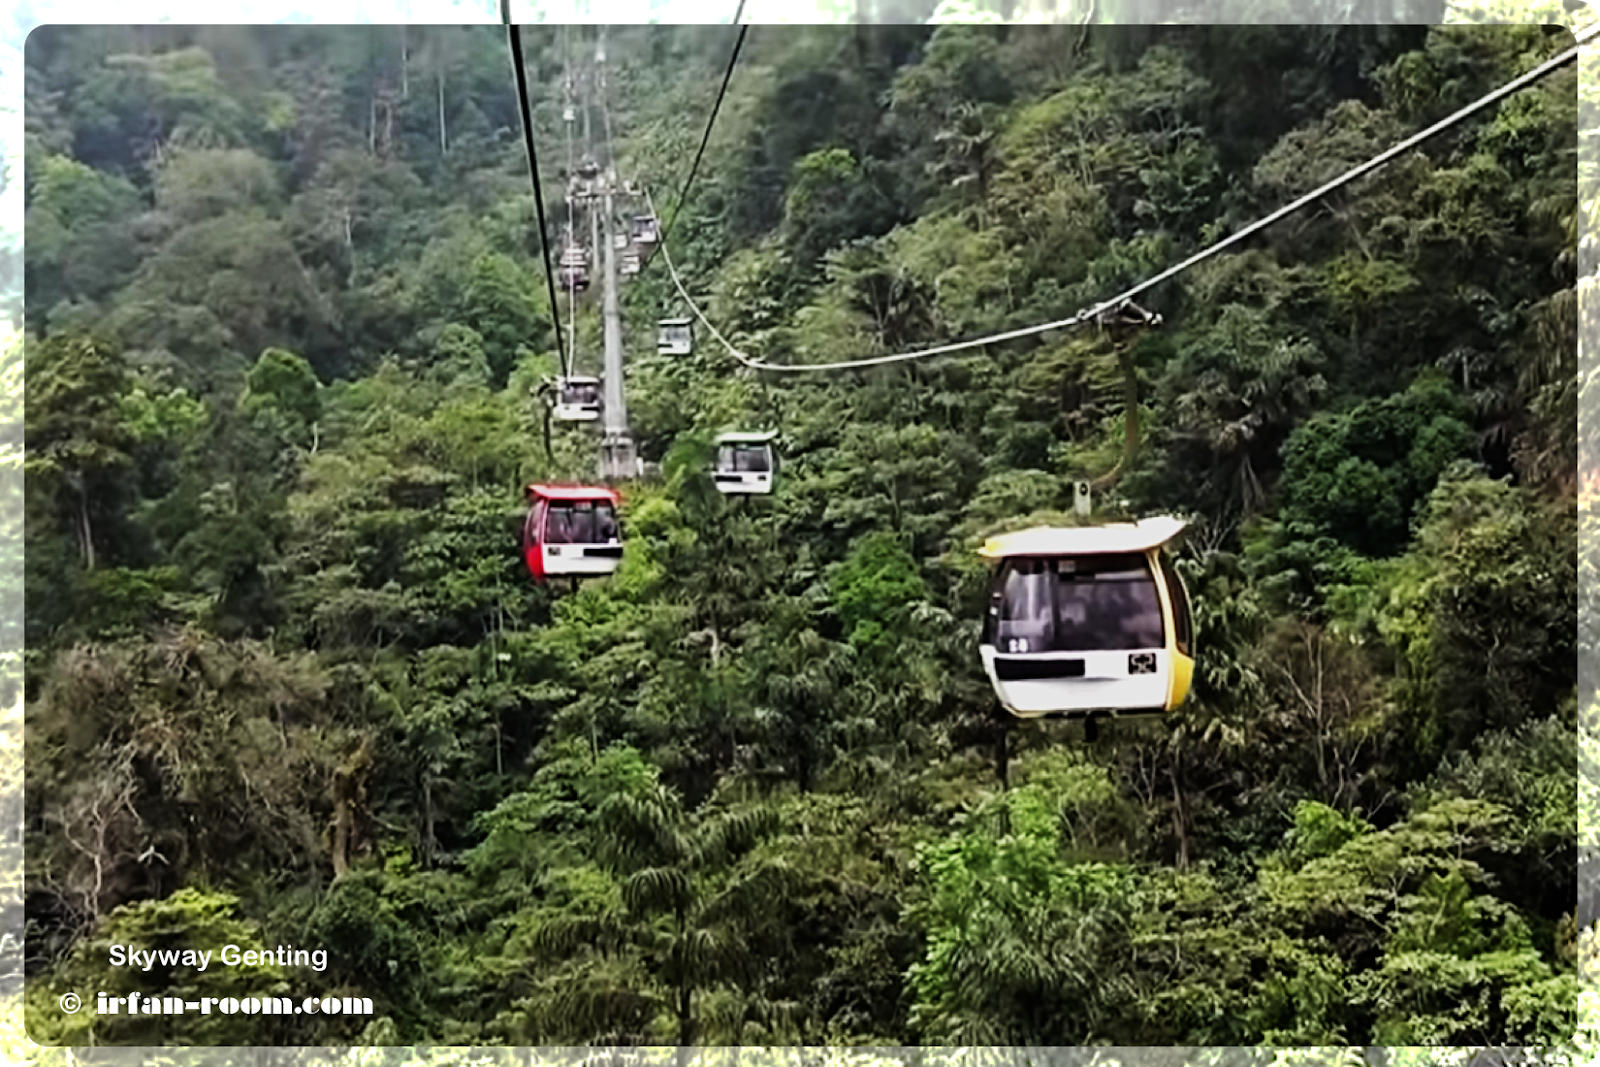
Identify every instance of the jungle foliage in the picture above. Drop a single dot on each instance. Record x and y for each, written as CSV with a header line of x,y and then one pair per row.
x,y
288,683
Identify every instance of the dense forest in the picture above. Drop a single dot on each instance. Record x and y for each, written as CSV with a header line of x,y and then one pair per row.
x,y
288,682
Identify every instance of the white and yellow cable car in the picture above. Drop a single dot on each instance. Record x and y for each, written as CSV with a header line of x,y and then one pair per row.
x,y
1088,622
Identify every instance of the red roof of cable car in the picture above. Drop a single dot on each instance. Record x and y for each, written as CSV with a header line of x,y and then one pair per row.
x,y
574,492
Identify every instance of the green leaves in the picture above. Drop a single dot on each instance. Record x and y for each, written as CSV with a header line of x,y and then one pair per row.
x,y
873,588
739,792
169,928
1013,931
285,383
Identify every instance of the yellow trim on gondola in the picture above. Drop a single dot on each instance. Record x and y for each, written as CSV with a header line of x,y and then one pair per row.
x,y
1182,668
1181,678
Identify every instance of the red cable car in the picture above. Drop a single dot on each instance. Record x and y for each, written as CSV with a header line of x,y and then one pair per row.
x,y
571,531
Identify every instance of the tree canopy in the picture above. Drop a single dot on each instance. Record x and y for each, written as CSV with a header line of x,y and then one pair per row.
x,y
288,682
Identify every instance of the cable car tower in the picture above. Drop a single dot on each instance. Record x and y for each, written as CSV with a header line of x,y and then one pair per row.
x,y
619,461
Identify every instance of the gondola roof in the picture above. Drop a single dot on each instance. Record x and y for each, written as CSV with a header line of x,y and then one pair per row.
x,y
573,492
1138,536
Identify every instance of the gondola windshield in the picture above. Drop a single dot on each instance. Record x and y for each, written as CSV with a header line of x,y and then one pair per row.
x,y
581,393
744,459
580,523
1094,604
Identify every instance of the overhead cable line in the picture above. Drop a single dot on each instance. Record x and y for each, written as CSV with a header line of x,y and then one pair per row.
x,y
514,35
1091,314
605,112
569,350
706,137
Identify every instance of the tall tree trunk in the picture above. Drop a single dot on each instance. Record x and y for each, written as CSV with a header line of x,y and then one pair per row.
x,y
685,1019
349,248
343,817
1180,812
685,1009
444,142
427,821
405,63
85,529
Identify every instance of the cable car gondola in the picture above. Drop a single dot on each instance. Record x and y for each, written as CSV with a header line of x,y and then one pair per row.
x,y
1090,621
676,337
571,531
646,231
577,399
574,273
746,462
630,263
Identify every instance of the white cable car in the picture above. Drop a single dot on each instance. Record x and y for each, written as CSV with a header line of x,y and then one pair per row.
x,y
569,114
676,337
574,273
577,399
746,462
630,263
1088,622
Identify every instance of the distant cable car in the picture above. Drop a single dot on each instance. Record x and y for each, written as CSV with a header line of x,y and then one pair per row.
x,y
746,462
630,263
577,399
575,267
571,530
646,231
569,114
619,241
676,337
1088,622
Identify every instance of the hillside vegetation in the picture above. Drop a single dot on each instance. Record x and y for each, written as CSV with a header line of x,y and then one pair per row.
x,y
289,684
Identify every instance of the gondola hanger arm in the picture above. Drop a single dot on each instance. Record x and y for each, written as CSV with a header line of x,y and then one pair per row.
x,y
1126,324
